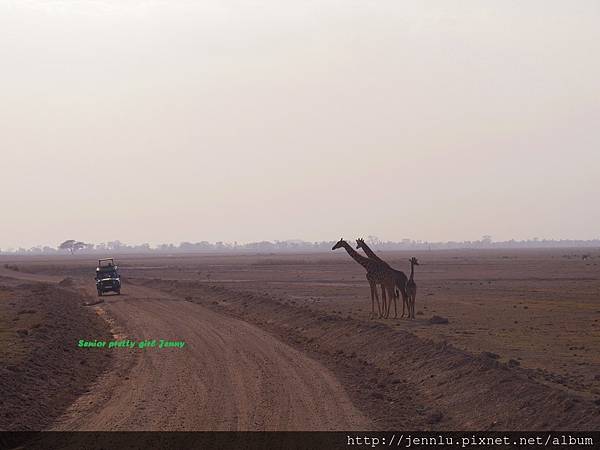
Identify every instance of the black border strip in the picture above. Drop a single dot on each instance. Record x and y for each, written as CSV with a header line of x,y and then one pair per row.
x,y
297,440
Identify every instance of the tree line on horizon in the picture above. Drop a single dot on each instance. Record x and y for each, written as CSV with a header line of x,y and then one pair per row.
x,y
73,246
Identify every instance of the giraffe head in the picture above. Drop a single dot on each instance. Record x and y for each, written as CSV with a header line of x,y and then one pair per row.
x,y
339,244
360,242
414,261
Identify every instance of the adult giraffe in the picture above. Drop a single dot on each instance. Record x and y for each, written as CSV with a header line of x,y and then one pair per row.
x,y
400,278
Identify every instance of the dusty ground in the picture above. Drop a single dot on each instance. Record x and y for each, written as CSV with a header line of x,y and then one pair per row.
x,y
229,376
540,309
41,372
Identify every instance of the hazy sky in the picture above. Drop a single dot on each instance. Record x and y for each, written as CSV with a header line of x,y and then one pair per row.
x,y
165,121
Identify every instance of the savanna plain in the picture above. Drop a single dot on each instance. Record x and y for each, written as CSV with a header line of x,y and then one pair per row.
x,y
501,340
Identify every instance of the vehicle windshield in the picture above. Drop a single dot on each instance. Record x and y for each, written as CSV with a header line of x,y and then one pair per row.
x,y
107,274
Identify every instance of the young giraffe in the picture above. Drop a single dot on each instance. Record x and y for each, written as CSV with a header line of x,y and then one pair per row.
x,y
377,273
399,278
411,288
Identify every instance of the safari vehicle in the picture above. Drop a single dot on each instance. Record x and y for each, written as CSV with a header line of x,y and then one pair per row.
x,y
107,277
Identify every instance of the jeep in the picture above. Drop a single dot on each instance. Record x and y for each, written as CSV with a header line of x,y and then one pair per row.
x,y
107,277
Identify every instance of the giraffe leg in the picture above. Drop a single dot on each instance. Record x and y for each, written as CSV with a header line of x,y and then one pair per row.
x,y
377,299
404,300
392,297
396,296
404,303
383,301
388,300
414,299
373,301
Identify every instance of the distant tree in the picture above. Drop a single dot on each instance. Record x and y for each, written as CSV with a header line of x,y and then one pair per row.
x,y
67,245
166,248
79,246
203,246
72,246
143,247
373,240
187,247
114,245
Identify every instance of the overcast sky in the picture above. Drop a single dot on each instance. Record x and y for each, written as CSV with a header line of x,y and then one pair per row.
x,y
168,121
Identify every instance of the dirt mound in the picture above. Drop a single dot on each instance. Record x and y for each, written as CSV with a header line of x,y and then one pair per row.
x,y
438,320
401,379
66,282
41,369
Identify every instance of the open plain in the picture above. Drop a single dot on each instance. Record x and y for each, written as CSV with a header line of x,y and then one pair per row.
x,y
284,341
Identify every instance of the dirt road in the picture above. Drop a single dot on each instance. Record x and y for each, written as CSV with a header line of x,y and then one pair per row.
x,y
230,375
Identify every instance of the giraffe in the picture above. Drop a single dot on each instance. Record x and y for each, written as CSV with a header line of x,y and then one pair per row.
x,y
411,288
377,273
400,278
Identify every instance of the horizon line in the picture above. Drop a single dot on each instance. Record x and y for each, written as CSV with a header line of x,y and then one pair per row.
x,y
288,245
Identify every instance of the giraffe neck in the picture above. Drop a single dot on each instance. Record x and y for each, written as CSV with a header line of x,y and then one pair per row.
x,y
370,253
412,270
355,256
